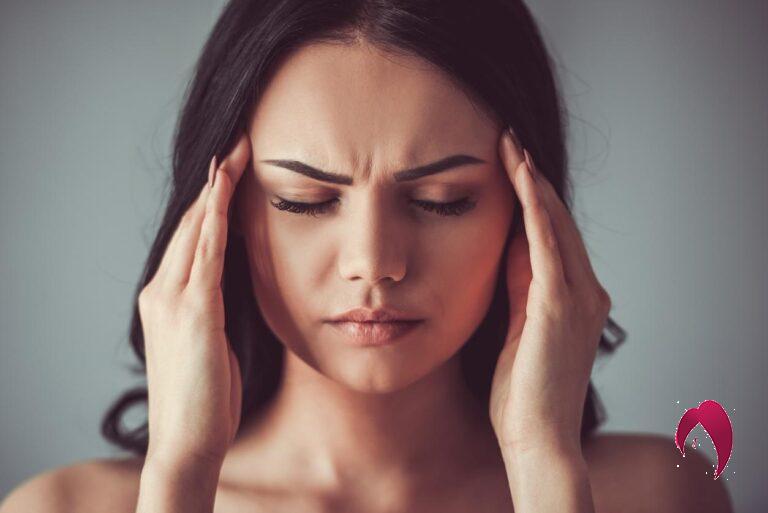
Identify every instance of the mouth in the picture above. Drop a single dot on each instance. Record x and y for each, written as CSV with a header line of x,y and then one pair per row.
x,y
374,333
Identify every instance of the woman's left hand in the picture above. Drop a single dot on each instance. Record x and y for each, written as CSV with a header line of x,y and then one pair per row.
x,y
557,313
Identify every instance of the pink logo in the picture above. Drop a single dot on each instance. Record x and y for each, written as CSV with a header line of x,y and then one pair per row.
x,y
715,421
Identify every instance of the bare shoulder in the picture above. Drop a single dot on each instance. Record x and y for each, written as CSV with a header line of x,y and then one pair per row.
x,y
639,473
101,484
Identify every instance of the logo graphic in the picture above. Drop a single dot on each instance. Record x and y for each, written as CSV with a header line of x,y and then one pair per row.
x,y
715,421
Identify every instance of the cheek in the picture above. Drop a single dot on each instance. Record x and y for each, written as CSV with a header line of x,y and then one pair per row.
x,y
278,252
288,264
463,254
462,266
282,281
279,264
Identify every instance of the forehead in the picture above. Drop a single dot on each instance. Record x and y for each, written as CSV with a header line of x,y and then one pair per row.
x,y
359,105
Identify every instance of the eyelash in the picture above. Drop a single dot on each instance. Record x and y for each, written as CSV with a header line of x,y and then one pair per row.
x,y
454,208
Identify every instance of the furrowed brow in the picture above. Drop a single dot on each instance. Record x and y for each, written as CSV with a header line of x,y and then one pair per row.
x,y
405,175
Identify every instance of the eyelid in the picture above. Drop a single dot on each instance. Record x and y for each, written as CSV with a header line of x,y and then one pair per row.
x,y
306,201
446,209
443,192
288,197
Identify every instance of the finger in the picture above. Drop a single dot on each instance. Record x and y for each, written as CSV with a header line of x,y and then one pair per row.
x,y
238,158
515,155
235,395
184,253
184,248
577,266
174,266
546,265
208,263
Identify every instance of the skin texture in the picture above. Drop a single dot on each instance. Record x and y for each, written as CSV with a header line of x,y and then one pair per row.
x,y
542,373
556,318
395,409
391,428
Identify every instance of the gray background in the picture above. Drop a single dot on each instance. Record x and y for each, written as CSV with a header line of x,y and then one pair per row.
x,y
668,122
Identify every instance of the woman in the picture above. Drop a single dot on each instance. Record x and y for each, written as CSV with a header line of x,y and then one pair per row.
x,y
411,315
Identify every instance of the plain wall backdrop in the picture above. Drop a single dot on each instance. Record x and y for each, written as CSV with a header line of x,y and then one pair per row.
x,y
668,116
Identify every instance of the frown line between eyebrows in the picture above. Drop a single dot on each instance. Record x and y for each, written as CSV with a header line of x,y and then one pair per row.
x,y
405,175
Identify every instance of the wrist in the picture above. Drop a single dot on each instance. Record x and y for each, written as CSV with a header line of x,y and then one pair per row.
x,y
171,485
548,478
543,442
565,456
183,470
555,457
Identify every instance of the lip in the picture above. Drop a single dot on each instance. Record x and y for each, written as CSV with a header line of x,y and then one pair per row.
x,y
374,333
384,314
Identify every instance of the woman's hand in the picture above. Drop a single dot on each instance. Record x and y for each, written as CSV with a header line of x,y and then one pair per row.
x,y
193,377
557,313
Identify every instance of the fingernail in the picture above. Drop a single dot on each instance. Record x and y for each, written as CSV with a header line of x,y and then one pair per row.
x,y
212,171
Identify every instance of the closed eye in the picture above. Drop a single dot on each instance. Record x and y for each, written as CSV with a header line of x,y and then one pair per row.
x,y
453,208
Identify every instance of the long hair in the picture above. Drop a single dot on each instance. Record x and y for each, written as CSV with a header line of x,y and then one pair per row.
x,y
493,51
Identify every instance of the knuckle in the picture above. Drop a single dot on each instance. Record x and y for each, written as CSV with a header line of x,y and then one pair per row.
x,y
602,295
549,240
598,300
204,248
147,296
151,299
605,299
207,249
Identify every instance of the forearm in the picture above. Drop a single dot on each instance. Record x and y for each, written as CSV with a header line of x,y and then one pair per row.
x,y
172,488
548,479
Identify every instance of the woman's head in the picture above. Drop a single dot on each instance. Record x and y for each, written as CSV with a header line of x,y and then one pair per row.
x,y
367,116
363,89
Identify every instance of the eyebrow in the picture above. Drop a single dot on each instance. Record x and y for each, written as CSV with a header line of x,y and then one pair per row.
x,y
405,175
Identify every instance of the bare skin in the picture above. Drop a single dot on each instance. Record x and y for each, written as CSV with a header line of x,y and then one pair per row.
x,y
632,473
390,429
400,414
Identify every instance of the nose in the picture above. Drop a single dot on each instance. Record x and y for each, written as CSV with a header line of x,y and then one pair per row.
x,y
373,246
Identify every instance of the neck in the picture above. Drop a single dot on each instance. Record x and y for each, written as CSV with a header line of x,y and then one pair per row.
x,y
320,432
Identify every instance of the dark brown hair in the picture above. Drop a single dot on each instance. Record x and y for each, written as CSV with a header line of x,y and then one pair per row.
x,y
491,48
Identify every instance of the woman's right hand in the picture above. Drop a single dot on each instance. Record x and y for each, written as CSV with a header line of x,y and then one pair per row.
x,y
193,377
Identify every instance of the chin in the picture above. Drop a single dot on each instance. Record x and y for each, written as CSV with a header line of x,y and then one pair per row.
x,y
380,370
374,383
374,373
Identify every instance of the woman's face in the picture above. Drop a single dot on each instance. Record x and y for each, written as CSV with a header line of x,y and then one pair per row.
x,y
366,115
